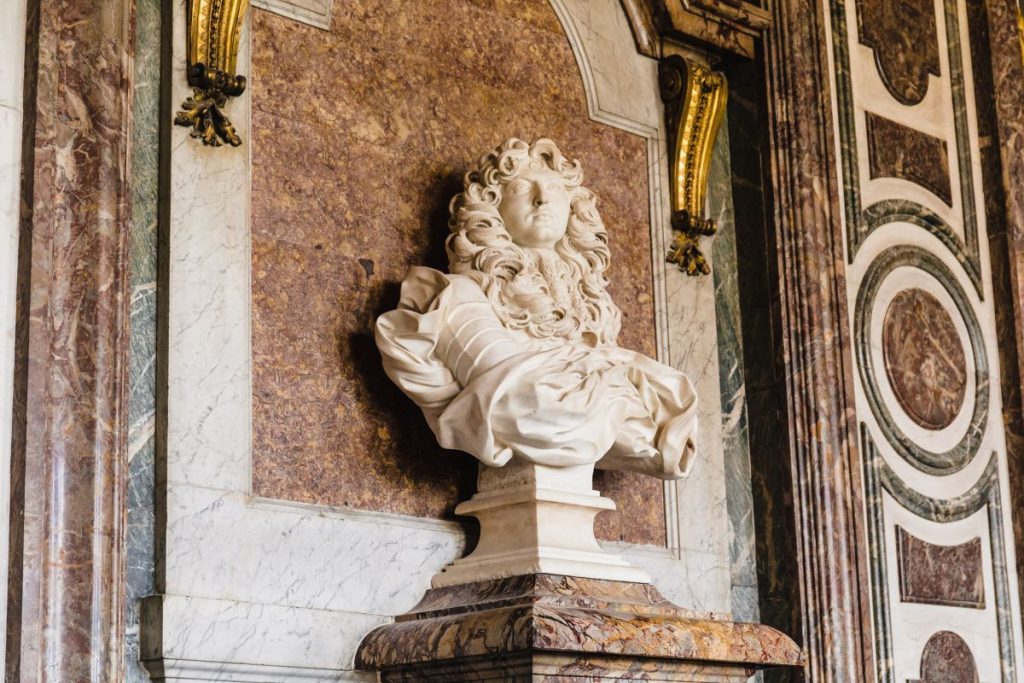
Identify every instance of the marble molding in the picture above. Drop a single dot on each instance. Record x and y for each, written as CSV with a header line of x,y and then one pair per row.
x,y
905,42
940,574
313,12
1004,69
13,17
817,347
141,494
550,627
898,151
947,658
68,613
941,460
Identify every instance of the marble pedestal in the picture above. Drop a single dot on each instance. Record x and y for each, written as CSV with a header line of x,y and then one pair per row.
x,y
536,519
546,627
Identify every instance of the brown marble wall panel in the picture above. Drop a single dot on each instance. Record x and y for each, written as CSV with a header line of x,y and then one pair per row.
x,y
360,138
905,41
924,358
67,464
898,151
994,32
940,574
947,659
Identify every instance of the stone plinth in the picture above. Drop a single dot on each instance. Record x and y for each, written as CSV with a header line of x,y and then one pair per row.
x,y
546,627
536,519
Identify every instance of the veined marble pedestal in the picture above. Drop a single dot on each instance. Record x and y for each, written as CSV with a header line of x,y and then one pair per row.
x,y
545,627
540,600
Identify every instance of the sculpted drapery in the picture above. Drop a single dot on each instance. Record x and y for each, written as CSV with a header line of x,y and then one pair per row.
x,y
513,353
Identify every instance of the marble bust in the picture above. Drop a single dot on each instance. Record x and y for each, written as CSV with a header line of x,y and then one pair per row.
x,y
512,357
513,353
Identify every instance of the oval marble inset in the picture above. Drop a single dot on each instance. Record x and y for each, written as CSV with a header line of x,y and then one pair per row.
x,y
947,659
924,359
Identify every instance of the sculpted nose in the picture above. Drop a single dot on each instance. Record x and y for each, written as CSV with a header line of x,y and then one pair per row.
x,y
540,196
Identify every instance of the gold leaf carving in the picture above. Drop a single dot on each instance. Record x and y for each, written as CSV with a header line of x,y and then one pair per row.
x,y
214,27
694,98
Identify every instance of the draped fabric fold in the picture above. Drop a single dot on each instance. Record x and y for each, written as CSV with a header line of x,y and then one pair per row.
x,y
497,393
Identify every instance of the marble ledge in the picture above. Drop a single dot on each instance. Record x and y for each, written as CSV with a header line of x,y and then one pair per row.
x,y
550,627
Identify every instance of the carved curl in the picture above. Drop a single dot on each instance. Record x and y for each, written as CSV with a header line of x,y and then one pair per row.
x,y
568,301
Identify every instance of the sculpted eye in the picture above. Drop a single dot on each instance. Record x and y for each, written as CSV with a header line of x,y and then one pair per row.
x,y
518,187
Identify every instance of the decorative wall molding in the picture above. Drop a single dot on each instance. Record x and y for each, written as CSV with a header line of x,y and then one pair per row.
x,y
935,574
947,657
985,495
961,452
695,99
862,221
313,12
898,151
12,106
67,602
829,525
905,41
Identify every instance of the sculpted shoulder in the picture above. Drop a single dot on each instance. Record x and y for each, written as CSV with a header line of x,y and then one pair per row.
x,y
422,287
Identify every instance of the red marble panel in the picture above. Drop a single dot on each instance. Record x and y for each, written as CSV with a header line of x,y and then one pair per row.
x,y
947,659
905,41
360,138
898,151
940,574
924,358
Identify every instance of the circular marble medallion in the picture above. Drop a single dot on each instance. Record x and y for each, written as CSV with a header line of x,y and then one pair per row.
x,y
954,457
924,359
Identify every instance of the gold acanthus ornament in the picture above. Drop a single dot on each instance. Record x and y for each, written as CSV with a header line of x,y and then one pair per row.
x,y
213,34
694,98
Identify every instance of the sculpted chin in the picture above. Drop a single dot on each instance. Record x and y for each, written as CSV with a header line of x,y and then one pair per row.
x,y
513,353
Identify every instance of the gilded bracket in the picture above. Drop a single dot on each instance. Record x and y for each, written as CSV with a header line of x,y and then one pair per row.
x,y
694,98
213,33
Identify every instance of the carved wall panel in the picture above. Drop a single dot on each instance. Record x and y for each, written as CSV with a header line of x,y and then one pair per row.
x,y
905,42
898,151
933,447
940,574
947,659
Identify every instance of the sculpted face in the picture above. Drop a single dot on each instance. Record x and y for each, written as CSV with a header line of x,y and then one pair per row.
x,y
535,207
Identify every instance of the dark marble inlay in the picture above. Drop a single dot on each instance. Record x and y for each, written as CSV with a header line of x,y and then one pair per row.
x,y
931,462
898,151
940,574
905,41
924,358
947,659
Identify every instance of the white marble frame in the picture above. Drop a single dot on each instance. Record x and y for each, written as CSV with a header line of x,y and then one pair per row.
x,y
12,73
257,588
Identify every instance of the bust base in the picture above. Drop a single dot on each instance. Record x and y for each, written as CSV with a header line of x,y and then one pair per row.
x,y
536,519
545,627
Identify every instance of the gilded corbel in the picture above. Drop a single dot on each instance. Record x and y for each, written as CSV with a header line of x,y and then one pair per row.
x,y
694,98
213,33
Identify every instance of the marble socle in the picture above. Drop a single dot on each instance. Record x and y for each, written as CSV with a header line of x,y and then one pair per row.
x,y
545,627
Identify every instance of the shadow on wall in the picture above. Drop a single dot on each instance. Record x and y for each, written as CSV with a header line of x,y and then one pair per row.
x,y
381,394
